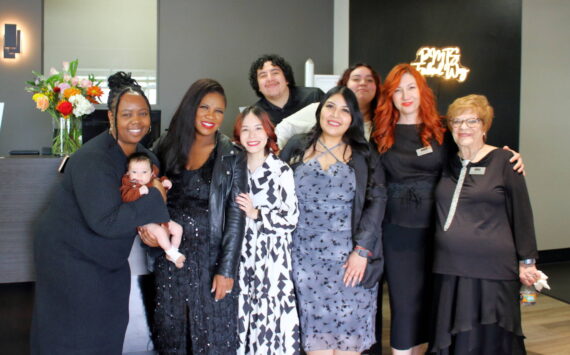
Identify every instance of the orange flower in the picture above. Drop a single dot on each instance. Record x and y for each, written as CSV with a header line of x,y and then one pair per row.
x,y
92,100
94,91
69,92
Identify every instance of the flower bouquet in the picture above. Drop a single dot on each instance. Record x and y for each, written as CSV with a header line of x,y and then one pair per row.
x,y
66,98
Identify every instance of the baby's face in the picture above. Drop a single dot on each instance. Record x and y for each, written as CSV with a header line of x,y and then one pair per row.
x,y
140,171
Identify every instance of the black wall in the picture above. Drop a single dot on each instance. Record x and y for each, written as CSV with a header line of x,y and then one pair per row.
x,y
385,33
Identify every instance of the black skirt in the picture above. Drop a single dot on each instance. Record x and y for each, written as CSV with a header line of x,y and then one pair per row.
x,y
476,316
408,256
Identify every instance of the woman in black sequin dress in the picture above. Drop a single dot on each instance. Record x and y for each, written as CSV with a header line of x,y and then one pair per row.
x,y
196,306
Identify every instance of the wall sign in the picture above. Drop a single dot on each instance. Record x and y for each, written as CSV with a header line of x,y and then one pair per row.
x,y
443,62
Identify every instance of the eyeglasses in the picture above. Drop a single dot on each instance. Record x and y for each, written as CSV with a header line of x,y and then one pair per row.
x,y
470,122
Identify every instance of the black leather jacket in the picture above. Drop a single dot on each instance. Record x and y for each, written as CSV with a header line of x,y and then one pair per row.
x,y
370,196
227,221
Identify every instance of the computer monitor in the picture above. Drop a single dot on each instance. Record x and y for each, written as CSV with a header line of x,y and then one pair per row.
x,y
98,121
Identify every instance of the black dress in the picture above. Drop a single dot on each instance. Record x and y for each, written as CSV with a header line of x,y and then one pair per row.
x,y
187,318
82,243
476,303
411,177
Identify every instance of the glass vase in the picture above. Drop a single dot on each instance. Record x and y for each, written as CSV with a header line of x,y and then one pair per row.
x,y
67,135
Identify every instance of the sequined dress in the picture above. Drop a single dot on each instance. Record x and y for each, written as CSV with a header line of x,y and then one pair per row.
x,y
332,315
187,319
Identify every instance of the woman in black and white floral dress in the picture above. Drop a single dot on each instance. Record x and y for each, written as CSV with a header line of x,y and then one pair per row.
x,y
268,320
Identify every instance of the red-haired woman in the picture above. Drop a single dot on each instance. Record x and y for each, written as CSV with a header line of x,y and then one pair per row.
x,y
410,137
268,319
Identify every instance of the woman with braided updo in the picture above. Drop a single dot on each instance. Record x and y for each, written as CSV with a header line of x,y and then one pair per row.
x,y
83,239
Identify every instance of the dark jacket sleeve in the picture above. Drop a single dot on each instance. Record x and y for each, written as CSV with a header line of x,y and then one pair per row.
x,y
294,147
520,213
369,230
94,181
234,224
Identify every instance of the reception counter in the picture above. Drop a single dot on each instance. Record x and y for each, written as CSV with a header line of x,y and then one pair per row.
x,y
26,183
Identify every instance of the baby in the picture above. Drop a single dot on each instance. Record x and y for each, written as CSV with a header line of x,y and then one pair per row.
x,y
135,183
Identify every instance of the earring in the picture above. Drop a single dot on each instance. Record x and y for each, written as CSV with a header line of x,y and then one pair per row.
x,y
149,129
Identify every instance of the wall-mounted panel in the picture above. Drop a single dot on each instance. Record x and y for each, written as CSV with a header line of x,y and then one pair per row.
x,y
488,32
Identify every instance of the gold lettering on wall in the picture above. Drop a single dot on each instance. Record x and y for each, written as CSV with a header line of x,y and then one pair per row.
x,y
443,62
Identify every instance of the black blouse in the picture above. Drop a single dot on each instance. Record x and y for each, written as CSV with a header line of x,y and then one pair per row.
x,y
411,177
493,224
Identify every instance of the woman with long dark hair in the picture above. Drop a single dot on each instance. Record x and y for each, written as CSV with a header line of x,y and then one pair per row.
x,y
84,237
366,84
341,196
196,306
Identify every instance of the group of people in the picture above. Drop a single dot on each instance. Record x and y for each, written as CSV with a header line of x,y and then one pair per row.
x,y
290,227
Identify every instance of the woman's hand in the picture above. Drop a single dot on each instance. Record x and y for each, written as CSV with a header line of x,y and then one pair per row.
x,y
519,165
246,204
158,185
355,267
221,286
147,237
167,184
528,274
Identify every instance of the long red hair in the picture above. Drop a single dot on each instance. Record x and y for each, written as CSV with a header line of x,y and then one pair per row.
x,y
265,123
387,114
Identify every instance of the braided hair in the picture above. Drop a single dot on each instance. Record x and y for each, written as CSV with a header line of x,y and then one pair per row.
x,y
122,83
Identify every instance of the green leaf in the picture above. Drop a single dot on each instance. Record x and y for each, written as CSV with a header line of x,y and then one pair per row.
x,y
73,67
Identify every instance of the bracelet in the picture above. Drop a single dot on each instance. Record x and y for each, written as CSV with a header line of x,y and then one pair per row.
x,y
528,261
365,253
258,218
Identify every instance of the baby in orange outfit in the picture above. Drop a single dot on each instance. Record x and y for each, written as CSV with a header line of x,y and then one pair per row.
x,y
135,183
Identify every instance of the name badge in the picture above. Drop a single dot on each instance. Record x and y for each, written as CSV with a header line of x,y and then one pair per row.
x,y
423,151
477,170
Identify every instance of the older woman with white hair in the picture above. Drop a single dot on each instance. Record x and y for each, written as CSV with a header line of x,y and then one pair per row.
x,y
485,242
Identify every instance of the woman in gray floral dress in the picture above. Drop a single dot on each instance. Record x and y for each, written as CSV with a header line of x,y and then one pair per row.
x,y
341,195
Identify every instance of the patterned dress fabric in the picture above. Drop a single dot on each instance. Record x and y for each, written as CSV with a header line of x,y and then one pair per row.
x,y
268,320
332,315
187,319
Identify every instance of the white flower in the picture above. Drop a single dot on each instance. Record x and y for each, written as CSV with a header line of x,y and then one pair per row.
x,y
81,106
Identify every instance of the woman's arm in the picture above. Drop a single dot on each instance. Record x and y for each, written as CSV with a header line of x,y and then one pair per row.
x,y
300,122
284,217
96,189
234,225
369,231
520,214
517,160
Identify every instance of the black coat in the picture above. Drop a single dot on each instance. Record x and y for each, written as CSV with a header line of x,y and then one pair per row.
x,y
82,243
227,220
369,201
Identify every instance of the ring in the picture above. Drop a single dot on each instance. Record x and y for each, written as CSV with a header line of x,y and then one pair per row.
x,y
229,291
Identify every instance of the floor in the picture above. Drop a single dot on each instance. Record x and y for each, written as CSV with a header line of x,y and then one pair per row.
x,y
546,324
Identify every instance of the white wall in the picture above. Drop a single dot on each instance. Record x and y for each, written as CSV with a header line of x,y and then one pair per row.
x,y
107,34
340,36
545,120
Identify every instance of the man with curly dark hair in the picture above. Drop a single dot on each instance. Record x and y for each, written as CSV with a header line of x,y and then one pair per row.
x,y
271,77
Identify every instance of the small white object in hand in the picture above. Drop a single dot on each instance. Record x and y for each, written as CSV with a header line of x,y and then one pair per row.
x,y
541,282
